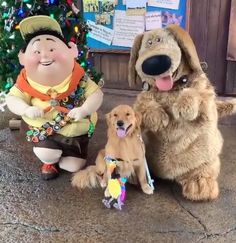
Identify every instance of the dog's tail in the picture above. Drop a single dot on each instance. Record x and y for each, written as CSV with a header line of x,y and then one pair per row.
x,y
86,178
226,108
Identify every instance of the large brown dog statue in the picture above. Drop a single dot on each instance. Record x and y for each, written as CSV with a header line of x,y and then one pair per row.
x,y
180,111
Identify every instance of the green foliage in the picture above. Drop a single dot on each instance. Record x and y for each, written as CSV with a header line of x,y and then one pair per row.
x,y
13,11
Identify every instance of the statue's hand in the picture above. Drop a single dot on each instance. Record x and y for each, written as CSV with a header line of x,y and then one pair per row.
x,y
77,113
33,112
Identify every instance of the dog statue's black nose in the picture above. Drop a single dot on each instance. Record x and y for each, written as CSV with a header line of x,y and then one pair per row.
x,y
156,65
120,123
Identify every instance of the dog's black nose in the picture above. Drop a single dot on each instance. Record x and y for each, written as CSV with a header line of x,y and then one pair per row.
x,y
120,123
156,65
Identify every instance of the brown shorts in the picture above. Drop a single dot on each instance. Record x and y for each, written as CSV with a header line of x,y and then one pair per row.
x,y
70,146
74,146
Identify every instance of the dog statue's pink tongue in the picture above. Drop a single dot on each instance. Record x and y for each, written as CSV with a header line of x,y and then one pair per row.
x,y
120,132
165,83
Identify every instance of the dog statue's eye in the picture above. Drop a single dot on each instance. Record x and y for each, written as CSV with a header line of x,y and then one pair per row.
x,y
158,39
115,115
127,114
149,42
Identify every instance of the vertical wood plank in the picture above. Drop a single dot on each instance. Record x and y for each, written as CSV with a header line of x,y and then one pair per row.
x,y
231,76
198,26
105,68
234,90
212,36
231,52
113,65
97,61
116,70
221,48
123,68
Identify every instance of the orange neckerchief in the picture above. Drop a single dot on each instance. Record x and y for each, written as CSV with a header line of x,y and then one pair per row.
x,y
23,85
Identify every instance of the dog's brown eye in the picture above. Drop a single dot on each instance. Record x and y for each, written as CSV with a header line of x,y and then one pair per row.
x,y
115,115
158,39
127,114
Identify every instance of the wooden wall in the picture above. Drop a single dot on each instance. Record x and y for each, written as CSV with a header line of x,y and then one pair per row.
x,y
208,26
115,69
231,55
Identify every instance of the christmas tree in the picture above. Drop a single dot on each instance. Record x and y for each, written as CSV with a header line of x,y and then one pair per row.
x,y
65,12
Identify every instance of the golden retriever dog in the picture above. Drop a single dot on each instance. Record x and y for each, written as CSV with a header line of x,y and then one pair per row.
x,y
179,111
125,145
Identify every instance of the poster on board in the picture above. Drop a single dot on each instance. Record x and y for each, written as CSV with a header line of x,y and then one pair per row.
x,y
153,20
126,27
115,23
170,4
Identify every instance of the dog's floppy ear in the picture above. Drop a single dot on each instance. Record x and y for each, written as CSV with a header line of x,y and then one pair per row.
x,y
187,46
108,118
133,58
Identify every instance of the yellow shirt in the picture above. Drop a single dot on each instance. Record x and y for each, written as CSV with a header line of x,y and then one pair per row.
x,y
72,129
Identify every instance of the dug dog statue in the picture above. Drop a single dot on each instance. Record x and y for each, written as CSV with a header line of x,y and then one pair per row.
x,y
179,111
54,96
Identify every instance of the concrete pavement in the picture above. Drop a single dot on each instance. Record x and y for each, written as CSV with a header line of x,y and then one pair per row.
x,y
32,210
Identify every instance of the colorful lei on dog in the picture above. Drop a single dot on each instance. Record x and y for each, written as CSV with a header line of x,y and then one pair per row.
x,y
116,186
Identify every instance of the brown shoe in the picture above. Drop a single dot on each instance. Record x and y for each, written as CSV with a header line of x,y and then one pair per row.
x,y
49,171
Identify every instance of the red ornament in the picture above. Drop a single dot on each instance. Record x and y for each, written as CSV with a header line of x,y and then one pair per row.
x,y
35,139
69,2
73,39
68,23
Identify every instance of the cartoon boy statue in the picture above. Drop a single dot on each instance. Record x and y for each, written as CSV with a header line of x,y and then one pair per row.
x,y
54,96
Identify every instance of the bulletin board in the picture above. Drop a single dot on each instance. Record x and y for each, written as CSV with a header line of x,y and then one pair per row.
x,y
107,17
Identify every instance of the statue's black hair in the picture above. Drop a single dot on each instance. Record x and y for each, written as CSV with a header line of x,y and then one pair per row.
x,y
44,31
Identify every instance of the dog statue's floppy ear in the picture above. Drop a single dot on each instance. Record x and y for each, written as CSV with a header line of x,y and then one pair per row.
x,y
187,46
138,119
133,58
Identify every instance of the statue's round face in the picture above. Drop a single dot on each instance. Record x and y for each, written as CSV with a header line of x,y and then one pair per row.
x,y
48,60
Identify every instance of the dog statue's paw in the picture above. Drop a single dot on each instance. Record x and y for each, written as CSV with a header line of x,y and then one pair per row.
x,y
147,189
164,118
155,119
186,107
201,190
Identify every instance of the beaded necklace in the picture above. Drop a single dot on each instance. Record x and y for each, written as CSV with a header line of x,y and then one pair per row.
x,y
75,99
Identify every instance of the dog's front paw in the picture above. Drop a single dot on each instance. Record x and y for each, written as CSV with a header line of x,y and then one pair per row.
x,y
186,107
201,190
147,189
155,119
107,193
